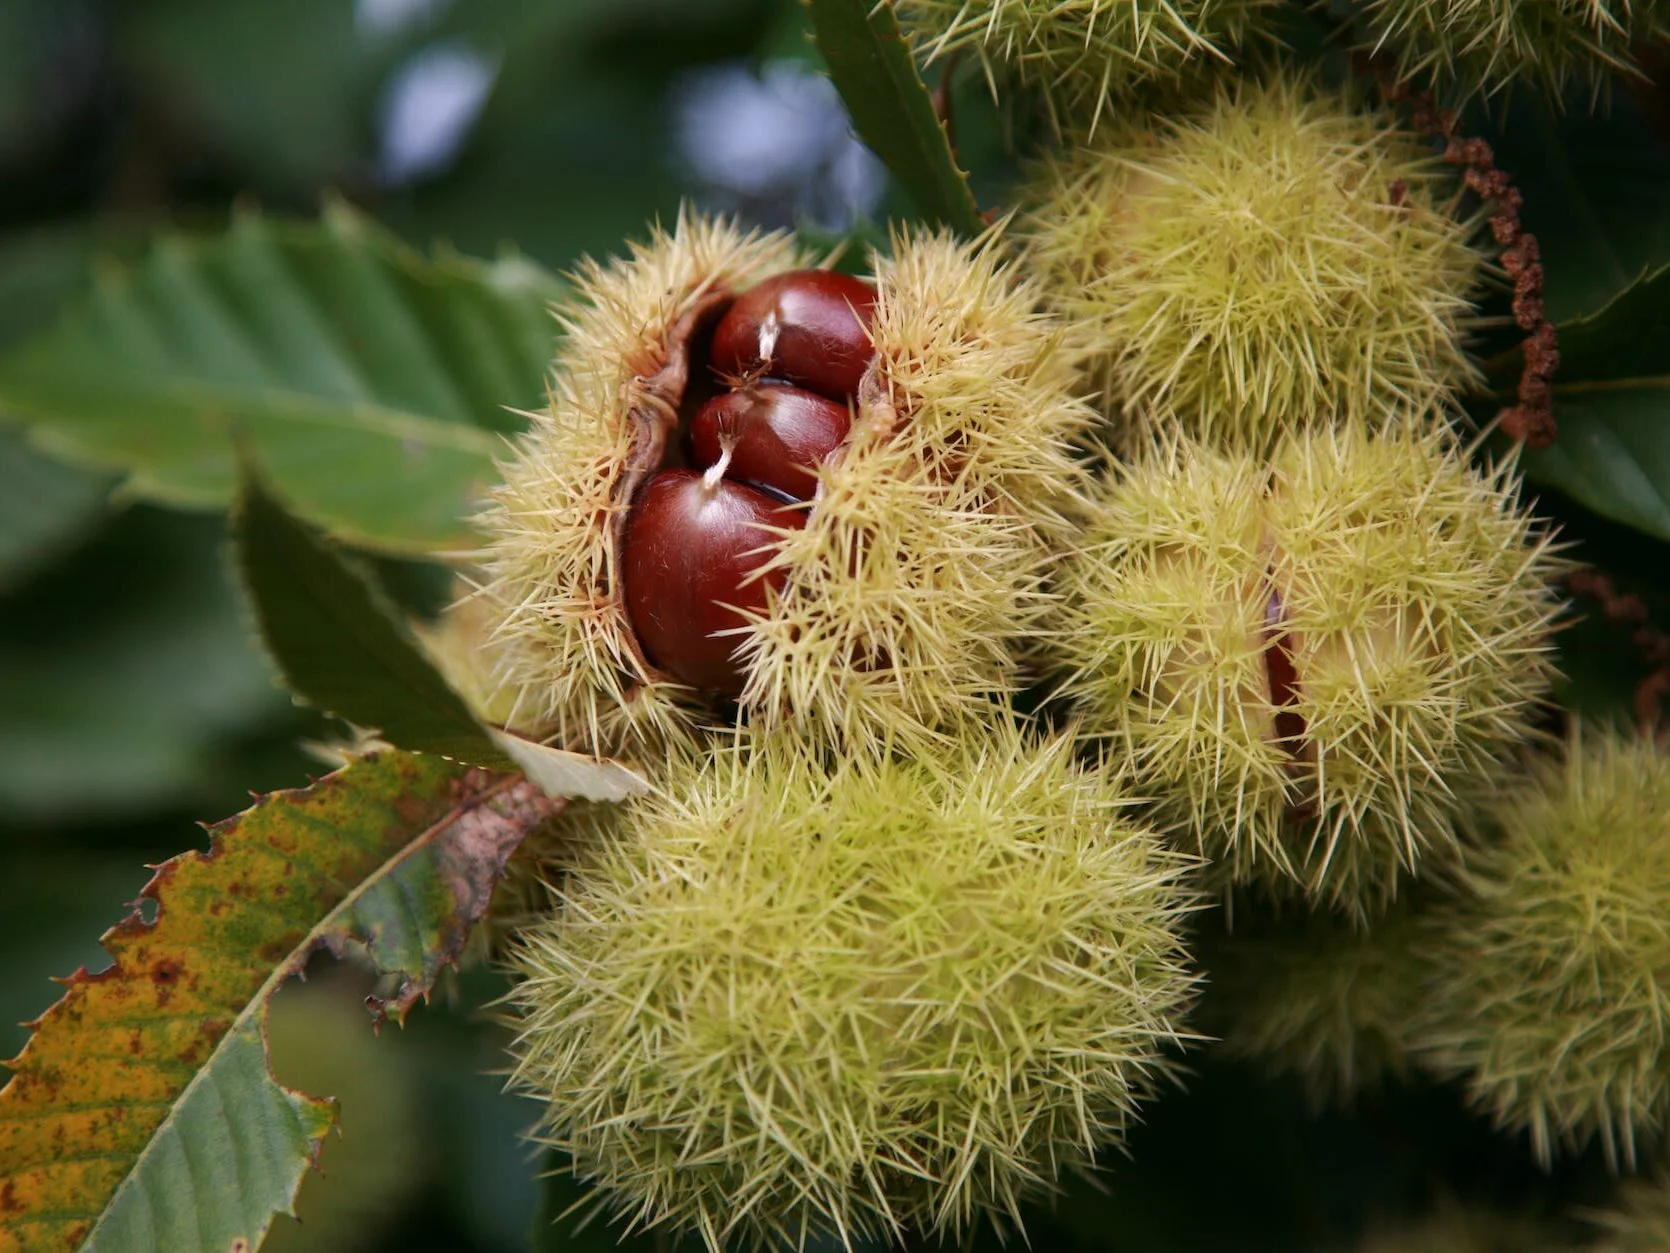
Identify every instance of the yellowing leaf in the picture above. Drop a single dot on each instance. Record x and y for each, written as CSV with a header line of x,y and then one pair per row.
x,y
142,1117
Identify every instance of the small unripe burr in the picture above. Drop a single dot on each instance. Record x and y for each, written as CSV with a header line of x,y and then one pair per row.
x,y
1637,1221
1332,1004
1470,47
1312,662
1275,260
794,996
1554,1003
1088,57
1451,1228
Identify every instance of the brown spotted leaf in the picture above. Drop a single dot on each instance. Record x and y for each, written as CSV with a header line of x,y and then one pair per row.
x,y
142,1117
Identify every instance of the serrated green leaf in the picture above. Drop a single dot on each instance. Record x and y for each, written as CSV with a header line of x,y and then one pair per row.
x,y
372,383
141,1116
1593,182
1612,406
340,644
344,650
45,505
891,110
1622,340
1613,453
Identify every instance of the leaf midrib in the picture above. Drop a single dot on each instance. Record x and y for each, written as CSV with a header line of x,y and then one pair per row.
x,y
280,974
906,101
1645,382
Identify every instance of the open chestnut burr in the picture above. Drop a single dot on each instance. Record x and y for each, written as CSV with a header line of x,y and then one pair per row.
x,y
695,552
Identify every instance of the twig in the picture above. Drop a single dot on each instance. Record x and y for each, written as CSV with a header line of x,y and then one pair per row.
x,y
1531,421
1629,610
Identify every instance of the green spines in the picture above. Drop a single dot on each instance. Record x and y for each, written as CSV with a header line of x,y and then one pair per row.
x,y
1469,47
883,964
1555,1005
1278,260
917,576
1084,54
563,664
1328,1003
787,998
1310,663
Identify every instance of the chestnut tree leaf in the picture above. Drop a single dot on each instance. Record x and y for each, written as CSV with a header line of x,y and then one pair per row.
x,y
142,1117
375,385
345,650
1612,406
871,66
1593,182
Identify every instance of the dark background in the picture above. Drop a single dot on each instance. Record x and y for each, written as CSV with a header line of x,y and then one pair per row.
x,y
133,703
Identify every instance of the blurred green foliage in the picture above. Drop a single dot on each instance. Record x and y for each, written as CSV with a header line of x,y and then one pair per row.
x,y
134,703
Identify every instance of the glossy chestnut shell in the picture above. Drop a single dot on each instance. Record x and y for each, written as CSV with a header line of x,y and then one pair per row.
x,y
777,436
810,327
691,557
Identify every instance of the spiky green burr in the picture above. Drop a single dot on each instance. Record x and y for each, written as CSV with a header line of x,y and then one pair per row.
x,y
788,997
563,664
1331,1004
1468,47
1279,260
1082,54
1555,1005
910,590
1310,663
918,580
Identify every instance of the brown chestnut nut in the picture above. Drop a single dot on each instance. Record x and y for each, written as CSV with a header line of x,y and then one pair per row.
x,y
690,550
807,326
777,436
1283,675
